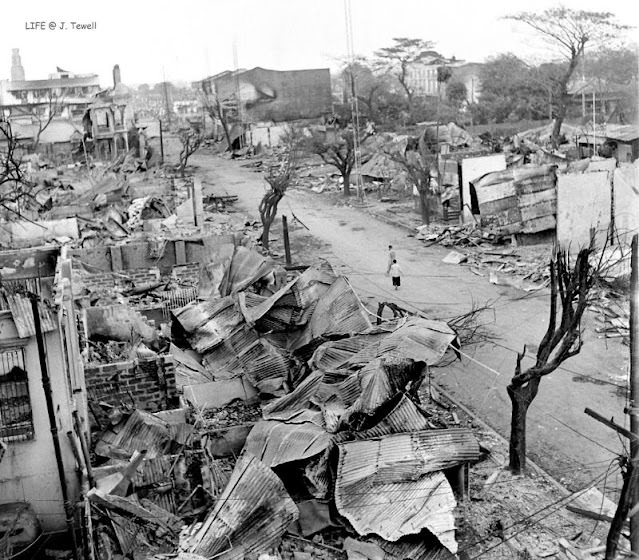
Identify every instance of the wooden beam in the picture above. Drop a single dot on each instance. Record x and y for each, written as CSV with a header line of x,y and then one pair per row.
x,y
610,424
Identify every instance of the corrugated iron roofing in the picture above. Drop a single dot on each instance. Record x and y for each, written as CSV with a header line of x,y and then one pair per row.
x,y
246,267
195,314
336,354
224,356
338,311
381,380
391,487
216,329
417,338
141,431
297,399
265,367
20,307
276,443
405,416
249,517
414,547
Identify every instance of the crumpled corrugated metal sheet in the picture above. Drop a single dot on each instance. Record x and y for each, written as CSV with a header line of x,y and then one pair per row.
x,y
276,443
354,351
338,311
297,399
265,367
405,416
249,517
141,431
20,307
291,305
417,338
391,486
188,371
208,324
246,268
414,547
222,357
381,380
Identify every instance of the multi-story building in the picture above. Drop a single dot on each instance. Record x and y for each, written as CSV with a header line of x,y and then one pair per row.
x,y
67,94
260,95
422,77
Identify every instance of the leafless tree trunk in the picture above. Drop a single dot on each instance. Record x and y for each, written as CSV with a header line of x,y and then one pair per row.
x,y
279,180
54,103
191,140
15,187
570,290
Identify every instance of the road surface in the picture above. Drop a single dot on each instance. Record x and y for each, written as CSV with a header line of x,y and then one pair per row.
x,y
561,438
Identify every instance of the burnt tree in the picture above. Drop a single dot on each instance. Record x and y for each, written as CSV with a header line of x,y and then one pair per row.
x,y
419,165
570,288
16,190
278,179
190,139
339,152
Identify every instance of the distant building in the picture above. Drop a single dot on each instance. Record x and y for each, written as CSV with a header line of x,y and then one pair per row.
x,y
26,101
108,119
260,95
422,77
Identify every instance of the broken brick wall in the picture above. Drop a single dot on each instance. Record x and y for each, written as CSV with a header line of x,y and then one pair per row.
x,y
157,253
145,383
111,280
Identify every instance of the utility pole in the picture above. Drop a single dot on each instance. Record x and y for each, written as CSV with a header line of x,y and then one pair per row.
x,y
634,389
166,98
628,503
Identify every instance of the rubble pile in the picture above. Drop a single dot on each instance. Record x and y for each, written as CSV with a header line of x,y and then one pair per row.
x,y
300,429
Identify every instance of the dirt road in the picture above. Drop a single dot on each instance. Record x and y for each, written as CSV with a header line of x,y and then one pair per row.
x,y
561,438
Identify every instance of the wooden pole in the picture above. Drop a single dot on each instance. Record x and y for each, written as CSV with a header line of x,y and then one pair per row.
x,y
634,387
161,143
287,245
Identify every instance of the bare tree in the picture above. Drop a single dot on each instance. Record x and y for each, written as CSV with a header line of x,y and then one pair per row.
x,y
15,187
218,109
418,165
53,106
568,32
191,139
339,152
570,290
401,55
278,178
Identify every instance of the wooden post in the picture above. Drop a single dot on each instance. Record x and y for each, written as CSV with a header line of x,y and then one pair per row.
x,y
161,143
287,245
634,388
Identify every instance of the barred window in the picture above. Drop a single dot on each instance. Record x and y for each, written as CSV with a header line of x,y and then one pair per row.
x,y
16,419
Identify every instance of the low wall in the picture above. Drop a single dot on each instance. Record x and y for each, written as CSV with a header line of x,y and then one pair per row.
x,y
147,384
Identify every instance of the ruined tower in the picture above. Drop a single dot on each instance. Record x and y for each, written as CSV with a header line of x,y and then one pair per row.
x,y
17,70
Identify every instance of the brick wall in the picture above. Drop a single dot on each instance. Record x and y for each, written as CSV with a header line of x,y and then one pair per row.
x,y
111,280
146,383
186,274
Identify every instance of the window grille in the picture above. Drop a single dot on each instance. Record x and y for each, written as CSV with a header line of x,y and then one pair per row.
x,y
16,419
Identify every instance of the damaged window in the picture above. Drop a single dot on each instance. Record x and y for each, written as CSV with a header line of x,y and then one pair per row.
x,y
16,419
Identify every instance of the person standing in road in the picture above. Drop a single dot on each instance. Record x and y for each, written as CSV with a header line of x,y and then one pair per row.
x,y
391,258
395,273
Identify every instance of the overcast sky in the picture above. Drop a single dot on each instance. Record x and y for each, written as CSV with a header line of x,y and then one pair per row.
x,y
189,39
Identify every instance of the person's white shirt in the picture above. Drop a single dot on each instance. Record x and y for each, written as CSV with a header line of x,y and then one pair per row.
x,y
395,270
